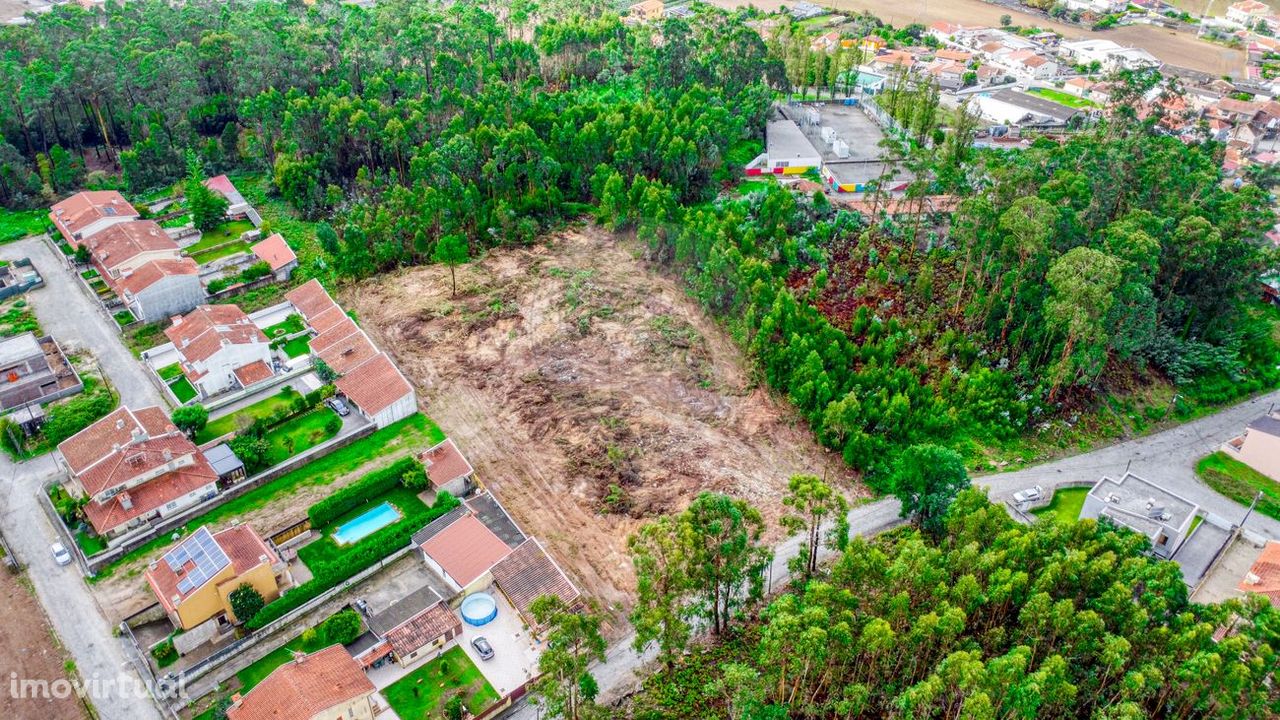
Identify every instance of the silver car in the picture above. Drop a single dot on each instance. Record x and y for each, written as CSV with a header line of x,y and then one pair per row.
x,y
60,554
483,647
1031,493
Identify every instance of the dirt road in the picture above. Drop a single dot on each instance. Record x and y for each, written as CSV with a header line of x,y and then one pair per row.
x,y
1181,49
589,393
28,647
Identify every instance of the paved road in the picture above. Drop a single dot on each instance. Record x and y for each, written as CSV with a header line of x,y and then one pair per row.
x,y
1166,458
66,312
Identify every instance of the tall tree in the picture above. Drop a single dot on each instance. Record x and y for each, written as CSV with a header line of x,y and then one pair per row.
x,y
926,478
208,208
662,588
726,558
813,502
573,643
452,251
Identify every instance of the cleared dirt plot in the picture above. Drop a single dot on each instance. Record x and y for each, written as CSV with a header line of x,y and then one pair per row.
x,y
589,392
28,648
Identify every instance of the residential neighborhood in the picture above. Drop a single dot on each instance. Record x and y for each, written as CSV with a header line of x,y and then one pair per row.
x,y
661,359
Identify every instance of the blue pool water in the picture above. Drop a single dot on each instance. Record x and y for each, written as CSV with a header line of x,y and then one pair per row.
x,y
368,522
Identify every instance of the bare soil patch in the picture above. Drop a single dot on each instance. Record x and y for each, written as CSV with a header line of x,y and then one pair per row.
x,y
590,393
29,648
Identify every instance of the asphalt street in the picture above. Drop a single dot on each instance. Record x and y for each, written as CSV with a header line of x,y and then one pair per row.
x,y
65,311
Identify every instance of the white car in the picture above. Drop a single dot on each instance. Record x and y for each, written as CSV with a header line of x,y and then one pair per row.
x,y
1031,493
60,554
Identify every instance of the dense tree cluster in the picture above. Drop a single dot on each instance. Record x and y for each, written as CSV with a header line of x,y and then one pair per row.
x,y
992,620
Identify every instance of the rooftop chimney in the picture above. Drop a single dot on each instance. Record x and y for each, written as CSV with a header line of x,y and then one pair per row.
x,y
120,423
126,502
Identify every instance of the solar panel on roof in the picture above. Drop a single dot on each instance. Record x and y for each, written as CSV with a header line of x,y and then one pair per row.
x,y
203,553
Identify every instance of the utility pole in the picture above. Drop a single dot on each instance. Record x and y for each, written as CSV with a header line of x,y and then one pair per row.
x,y
1252,505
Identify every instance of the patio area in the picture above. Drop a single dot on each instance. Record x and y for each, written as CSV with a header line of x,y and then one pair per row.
x,y
515,652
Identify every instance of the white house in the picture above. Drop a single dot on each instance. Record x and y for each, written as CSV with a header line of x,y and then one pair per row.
x,y
1247,12
84,214
1111,56
787,149
221,349
162,288
1144,507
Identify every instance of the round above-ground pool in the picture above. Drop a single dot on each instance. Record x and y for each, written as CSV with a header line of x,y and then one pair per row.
x,y
479,609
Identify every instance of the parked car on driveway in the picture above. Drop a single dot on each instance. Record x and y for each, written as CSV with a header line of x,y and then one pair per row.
x,y
339,407
483,647
60,554
1031,493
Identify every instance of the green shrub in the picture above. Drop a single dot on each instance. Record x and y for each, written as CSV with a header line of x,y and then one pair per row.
x,y
342,628
165,653
75,415
358,493
333,425
359,557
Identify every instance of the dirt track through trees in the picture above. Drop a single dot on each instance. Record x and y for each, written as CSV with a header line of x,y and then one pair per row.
x,y
590,393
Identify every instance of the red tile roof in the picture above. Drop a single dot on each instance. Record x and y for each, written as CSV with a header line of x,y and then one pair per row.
x,y
326,319
348,353
150,496
338,331
254,372
221,184
445,463
72,215
201,333
118,428
154,271
374,385
275,251
1264,577
243,547
527,574
422,629
309,298
466,549
124,241
137,457
305,687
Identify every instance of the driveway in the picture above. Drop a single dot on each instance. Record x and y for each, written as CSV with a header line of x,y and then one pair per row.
x,y
66,312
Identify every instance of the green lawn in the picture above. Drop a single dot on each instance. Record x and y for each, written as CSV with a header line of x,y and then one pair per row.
x,y
297,347
1065,505
226,232
16,318
1240,482
177,221
90,544
261,409
299,435
169,372
383,447
207,256
326,549
89,274
258,671
423,692
292,324
17,224
182,389
1063,98
123,317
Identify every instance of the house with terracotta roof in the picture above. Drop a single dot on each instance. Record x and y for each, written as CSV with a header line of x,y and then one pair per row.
x,y
134,466
460,548
220,349
1263,577
411,630
85,214
236,204
646,11
1247,12
1259,445
193,581
368,379
277,254
527,573
162,288
447,468
325,685
122,248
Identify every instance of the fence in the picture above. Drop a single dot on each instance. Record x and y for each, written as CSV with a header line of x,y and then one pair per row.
x,y
291,532
151,530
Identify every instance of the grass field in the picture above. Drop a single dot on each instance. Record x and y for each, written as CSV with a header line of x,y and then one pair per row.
x,y
17,224
1063,98
414,432
208,256
1240,482
423,692
123,317
261,409
299,435
291,325
296,347
169,372
226,232
1065,505
182,390
326,549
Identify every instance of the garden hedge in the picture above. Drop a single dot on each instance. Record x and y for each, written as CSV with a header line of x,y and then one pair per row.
x,y
362,555
360,492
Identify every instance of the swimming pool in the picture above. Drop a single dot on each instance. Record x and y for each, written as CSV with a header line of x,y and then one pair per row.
x,y
367,523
